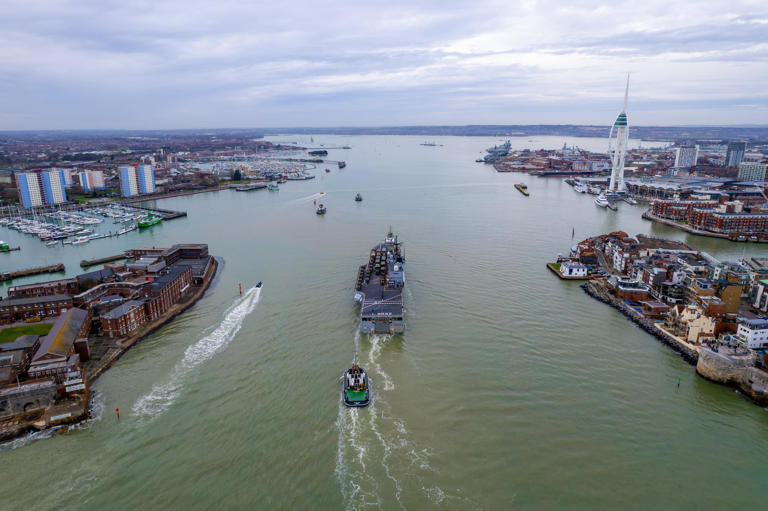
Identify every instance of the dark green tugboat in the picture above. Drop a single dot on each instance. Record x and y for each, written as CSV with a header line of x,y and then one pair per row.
x,y
355,390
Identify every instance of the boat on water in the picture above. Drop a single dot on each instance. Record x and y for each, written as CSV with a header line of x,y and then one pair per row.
x,y
250,187
327,169
343,164
272,187
630,200
321,209
522,188
580,187
355,388
379,288
149,221
358,198
80,240
4,247
601,201
47,243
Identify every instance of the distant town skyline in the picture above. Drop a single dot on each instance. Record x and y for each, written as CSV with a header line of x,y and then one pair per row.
x,y
182,65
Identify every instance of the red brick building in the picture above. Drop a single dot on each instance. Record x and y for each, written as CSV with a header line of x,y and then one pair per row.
x,y
124,319
19,309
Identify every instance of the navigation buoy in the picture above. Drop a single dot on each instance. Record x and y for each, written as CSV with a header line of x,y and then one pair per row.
x,y
678,381
240,285
117,411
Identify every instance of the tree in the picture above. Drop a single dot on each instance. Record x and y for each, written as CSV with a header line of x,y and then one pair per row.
x,y
237,176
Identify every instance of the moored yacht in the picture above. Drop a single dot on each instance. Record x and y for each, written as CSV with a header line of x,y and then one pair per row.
x,y
602,201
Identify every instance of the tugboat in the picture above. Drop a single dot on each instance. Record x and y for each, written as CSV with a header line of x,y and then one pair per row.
x,y
320,209
354,388
358,198
522,188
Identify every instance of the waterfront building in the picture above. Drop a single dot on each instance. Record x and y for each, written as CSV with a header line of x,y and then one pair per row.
x,y
91,180
749,171
65,346
686,156
136,180
52,287
19,309
754,332
123,319
573,269
617,145
40,188
735,154
761,296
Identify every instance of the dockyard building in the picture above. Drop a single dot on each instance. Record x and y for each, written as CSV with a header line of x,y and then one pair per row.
x,y
20,309
60,352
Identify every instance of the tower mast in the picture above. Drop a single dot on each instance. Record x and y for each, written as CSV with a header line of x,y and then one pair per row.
x,y
617,145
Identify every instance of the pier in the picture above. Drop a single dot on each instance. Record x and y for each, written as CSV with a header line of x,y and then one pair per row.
x,y
53,268
85,263
166,214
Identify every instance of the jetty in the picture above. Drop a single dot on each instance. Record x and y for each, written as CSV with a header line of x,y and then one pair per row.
x,y
85,263
166,214
52,268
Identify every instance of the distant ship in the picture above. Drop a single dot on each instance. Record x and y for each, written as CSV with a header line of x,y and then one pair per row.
x,y
522,188
379,289
497,151
318,152
358,198
343,164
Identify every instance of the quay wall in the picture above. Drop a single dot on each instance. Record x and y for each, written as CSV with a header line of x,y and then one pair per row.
x,y
735,371
688,353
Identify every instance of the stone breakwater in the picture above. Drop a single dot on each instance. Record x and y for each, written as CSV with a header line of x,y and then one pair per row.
x,y
600,293
736,371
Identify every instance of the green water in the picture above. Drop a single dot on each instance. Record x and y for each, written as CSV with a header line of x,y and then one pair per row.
x,y
511,389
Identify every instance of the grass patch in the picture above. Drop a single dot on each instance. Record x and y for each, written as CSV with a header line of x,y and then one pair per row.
x,y
10,334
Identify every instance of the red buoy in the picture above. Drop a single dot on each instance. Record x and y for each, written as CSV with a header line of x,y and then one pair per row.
x,y
240,285
117,410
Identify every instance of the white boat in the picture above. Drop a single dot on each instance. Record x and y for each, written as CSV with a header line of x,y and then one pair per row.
x,y
580,187
601,201
80,240
630,200
51,243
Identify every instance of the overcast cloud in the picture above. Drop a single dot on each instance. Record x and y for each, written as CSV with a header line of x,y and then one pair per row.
x,y
222,63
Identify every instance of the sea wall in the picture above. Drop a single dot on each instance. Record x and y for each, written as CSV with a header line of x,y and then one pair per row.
x,y
735,371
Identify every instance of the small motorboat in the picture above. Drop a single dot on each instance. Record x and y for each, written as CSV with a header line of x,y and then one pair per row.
x,y
320,209
327,169
358,198
259,284
51,243
522,188
273,187
355,390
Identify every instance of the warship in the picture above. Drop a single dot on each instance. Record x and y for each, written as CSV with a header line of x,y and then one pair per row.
x,y
379,288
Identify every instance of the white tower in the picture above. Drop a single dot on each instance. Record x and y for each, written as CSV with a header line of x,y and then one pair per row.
x,y
617,146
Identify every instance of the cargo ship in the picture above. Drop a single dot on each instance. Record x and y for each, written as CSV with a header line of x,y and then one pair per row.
x,y
149,221
379,289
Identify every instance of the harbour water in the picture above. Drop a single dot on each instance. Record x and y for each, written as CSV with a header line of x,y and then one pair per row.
x,y
510,389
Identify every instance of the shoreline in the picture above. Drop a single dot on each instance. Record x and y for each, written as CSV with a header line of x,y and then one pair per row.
x,y
647,215
739,373
79,411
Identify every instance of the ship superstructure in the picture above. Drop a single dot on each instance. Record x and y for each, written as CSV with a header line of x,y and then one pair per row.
x,y
379,289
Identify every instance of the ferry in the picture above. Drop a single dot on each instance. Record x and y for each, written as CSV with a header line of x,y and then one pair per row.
x,y
522,188
358,198
272,187
321,209
149,221
355,388
379,289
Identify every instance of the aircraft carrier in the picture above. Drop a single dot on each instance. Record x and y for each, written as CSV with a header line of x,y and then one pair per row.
x,y
379,289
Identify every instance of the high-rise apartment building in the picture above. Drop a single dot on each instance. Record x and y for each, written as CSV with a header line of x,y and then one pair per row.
x,y
40,188
91,180
686,156
752,171
136,180
735,154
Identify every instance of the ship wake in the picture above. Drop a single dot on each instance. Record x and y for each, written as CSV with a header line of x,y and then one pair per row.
x,y
162,396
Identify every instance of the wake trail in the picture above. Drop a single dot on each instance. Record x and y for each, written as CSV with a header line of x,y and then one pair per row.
x,y
377,342
162,396
308,198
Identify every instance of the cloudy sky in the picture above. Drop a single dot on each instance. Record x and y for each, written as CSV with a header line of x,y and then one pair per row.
x,y
221,63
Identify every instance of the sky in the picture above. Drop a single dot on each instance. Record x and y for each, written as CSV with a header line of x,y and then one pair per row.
x,y
92,64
